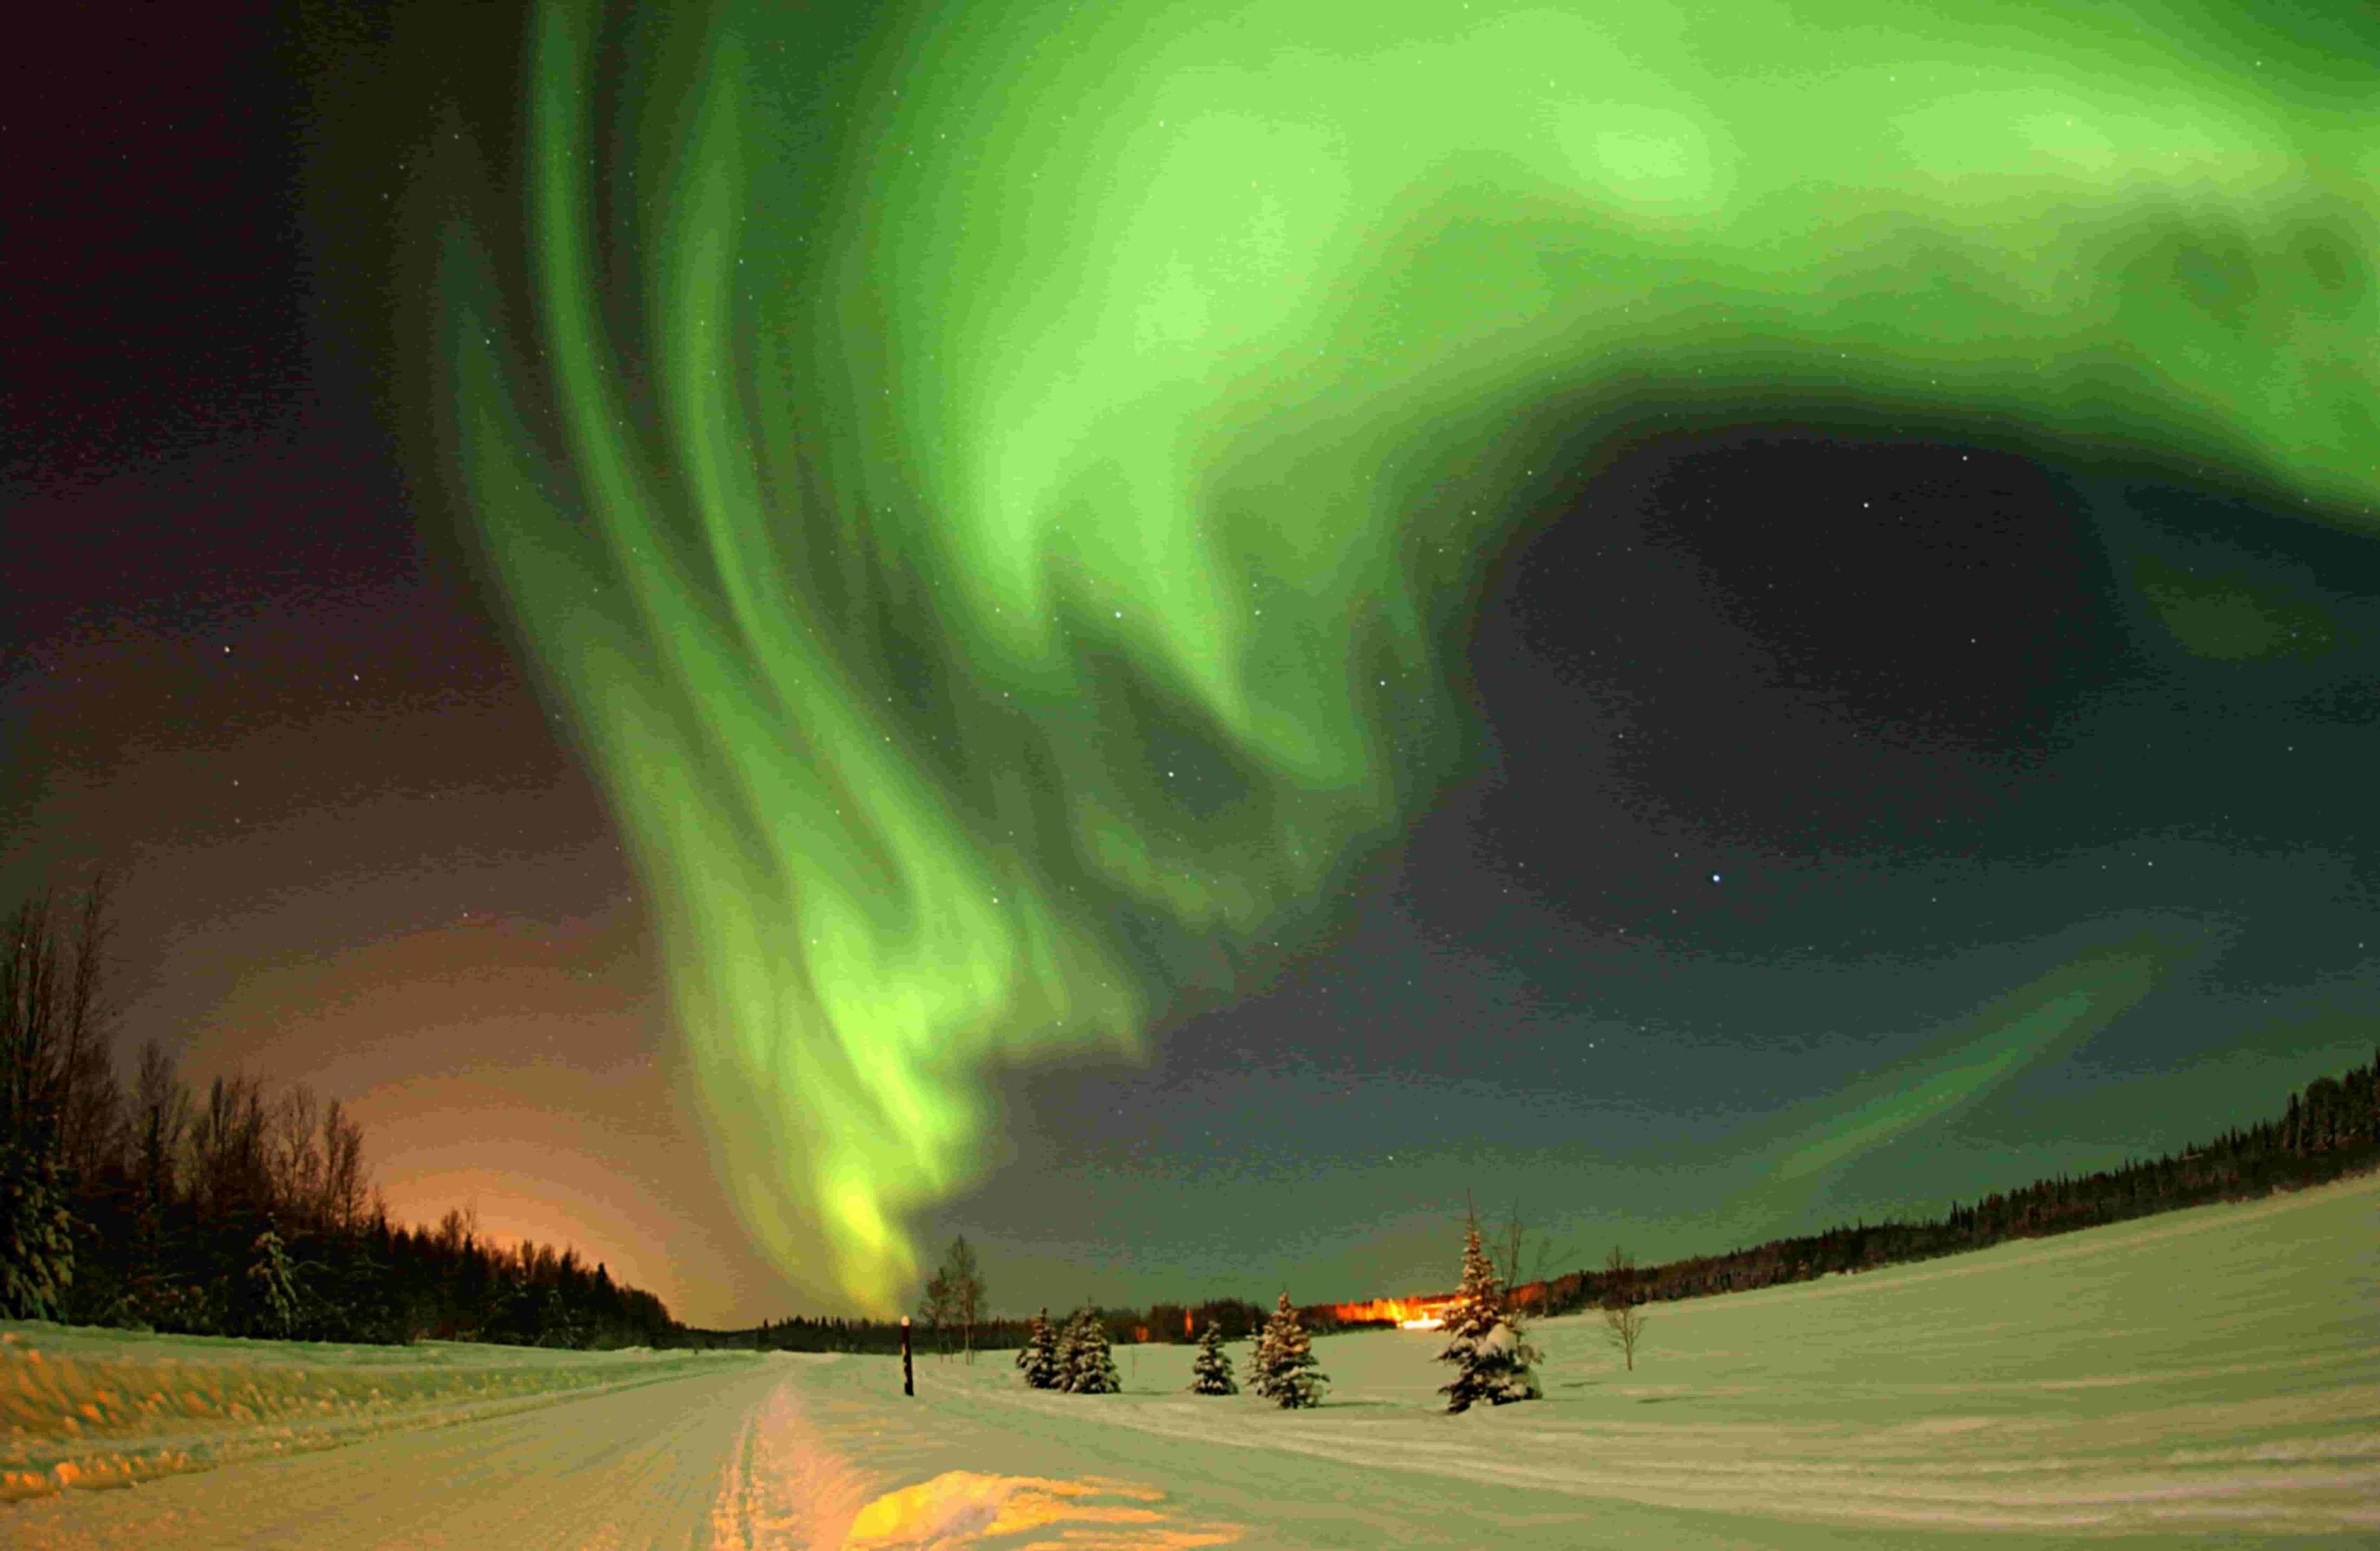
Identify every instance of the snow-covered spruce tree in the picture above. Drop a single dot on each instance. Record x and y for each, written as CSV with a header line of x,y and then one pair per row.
x,y
273,1285
1260,1359
1285,1370
1211,1372
1067,1353
1039,1356
1491,1360
1093,1369
36,1231
556,1327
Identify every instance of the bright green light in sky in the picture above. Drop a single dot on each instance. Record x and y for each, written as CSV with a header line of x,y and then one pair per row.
x,y
1005,530
2058,1011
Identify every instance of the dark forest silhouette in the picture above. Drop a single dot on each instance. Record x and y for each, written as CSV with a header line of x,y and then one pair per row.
x,y
243,1209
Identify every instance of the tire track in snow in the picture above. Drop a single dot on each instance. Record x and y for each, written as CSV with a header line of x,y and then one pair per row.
x,y
784,1488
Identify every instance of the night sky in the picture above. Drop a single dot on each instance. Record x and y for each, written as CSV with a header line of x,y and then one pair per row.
x,y
1786,732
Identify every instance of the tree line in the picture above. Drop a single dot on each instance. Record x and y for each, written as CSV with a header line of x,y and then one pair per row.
x,y
2328,1129
953,1311
1159,1323
241,1209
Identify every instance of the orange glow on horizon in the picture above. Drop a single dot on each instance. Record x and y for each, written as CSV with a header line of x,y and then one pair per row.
x,y
1423,1313
1412,1314
516,1208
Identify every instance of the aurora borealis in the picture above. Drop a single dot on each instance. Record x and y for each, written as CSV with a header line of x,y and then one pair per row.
x,y
1008,559
1203,626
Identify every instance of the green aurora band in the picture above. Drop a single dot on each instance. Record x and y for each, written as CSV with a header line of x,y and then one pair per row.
x,y
1002,489
2056,1012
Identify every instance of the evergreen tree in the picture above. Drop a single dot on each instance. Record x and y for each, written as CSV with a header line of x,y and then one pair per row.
x,y
1091,1367
1068,1352
273,1285
1040,1354
511,1316
555,1326
48,1026
1260,1357
36,1232
1286,1373
1211,1372
1491,1361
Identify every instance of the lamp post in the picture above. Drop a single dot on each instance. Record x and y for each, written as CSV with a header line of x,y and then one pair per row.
x,y
908,1379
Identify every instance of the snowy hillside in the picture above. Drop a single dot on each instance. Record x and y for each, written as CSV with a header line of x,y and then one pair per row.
x,y
2213,1372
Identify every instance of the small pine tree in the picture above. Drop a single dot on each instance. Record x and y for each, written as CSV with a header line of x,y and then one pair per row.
x,y
36,1232
1039,1356
1092,1371
1068,1352
511,1312
1260,1357
1211,1372
1286,1373
273,1284
1491,1361
555,1326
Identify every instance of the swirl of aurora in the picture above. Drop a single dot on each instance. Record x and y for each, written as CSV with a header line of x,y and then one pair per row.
x,y
1000,489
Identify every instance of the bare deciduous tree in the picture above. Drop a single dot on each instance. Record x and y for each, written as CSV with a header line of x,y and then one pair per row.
x,y
343,1171
966,1292
90,1100
1519,1264
936,1307
296,1157
91,1130
55,1083
1622,1315
230,1168
160,1116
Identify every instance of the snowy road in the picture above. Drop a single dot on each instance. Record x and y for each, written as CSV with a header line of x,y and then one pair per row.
x,y
635,1467
736,1453
745,1453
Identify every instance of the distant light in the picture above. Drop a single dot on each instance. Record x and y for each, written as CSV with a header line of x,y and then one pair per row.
x,y
1715,878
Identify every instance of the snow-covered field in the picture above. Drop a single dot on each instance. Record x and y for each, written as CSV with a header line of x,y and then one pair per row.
x,y
2205,1377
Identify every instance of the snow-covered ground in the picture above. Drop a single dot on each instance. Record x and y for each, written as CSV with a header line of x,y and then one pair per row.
x,y
2206,1376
